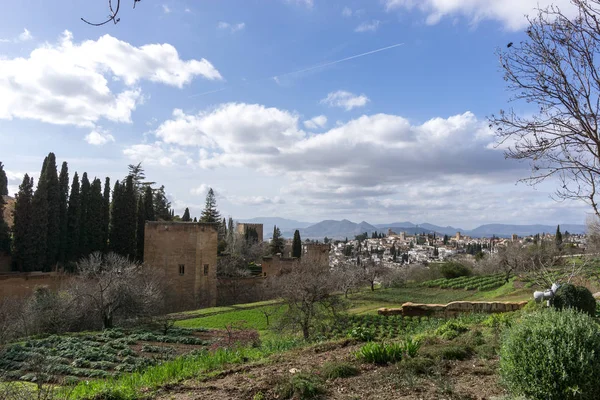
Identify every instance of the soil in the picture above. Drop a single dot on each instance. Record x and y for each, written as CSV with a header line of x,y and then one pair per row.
x,y
473,379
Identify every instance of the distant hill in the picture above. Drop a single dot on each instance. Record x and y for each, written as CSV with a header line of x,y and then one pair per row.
x,y
336,230
9,206
285,225
522,230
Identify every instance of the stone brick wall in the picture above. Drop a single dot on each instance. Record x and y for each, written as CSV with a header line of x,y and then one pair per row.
x,y
452,309
275,265
242,228
23,284
317,252
187,254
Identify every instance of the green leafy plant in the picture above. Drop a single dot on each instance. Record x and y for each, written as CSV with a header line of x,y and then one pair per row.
x,y
334,370
577,297
451,329
301,386
411,346
552,355
454,270
380,353
362,334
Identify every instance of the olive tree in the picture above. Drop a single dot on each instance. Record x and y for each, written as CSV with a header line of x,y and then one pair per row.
x,y
556,70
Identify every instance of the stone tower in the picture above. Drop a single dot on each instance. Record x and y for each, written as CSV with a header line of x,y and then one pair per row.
x,y
317,252
242,228
187,253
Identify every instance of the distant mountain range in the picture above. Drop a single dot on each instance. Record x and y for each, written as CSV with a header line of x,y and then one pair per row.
x,y
334,229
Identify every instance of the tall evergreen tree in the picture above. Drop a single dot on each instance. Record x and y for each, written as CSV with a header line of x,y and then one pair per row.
x,y
149,204
297,245
141,228
40,220
73,220
105,214
115,234
84,201
129,223
3,181
50,177
186,215
139,178
95,216
195,219
558,237
210,213
162,205
277,242
4,230
63,184
23,228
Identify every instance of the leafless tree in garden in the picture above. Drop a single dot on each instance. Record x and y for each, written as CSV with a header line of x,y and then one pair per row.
x,y
347,276
116,286
307,292
556,70
372,272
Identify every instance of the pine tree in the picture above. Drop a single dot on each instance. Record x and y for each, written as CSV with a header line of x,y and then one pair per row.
x,y
277,243
95,217
224,228
3,181
73,218
186,215
141,228
162,205
115,234
139,178
40,220
63,184
558,237
84,205
129,223
297,245
210,214
23,229
105,214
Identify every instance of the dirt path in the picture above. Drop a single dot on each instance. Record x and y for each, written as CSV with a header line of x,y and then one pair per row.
x,y
469,379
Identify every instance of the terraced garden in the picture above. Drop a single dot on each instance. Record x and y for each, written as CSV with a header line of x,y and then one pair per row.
x,y
480,283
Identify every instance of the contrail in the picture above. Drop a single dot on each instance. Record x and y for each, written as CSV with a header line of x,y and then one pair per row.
x,y
307,69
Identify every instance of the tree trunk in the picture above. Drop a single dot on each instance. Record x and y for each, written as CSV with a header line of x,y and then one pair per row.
x,y
372,286
107,321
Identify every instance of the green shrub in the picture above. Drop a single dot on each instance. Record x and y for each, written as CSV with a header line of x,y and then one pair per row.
x,y
552,355
451,329
334,370
301,386
448,352
411,347
417,365
453,269
501,320
577,297
380,353
362,334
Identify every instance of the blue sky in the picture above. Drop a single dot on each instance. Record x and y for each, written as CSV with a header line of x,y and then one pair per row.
x,y
208,94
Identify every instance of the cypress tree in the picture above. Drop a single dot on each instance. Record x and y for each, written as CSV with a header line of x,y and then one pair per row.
x,y
105,214
114,240
195,219
39,205
3,181
4,231
84,201
129,225
95,216
558,236
210,213
23,229
277,243
63,183
149,204
297,245
186,215
53,200
141,227
73,217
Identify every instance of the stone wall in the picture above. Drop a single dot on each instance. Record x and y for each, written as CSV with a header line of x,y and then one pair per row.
x,y
242,228
276,265
187,254
316,252
452,309
23,284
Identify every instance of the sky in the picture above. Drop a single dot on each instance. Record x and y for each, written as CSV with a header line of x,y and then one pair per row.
x,y
369,110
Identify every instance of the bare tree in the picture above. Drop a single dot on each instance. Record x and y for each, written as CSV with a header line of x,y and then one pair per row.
x,y
115,286
307,291
347,276
372,272
112,15
556,70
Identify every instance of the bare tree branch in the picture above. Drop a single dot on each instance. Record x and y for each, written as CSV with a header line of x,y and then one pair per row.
x,y
112,16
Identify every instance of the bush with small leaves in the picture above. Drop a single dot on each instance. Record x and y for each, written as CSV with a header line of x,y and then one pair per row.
x,y
577,297
552,355
334,370
451,329
300,386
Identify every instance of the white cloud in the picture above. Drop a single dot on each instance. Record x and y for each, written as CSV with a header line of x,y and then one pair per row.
x,y
201,190
345,100
187,10
156,154
255,200
511,13
347,12
68,83
368,26
166,9
316,122
25,35
99,138
233,28
306,3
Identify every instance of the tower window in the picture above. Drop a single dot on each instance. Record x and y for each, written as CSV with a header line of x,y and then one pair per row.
x,y
205,269
181,269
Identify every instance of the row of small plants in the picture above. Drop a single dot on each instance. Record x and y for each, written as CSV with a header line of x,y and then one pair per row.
x,y
485,282
100,356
